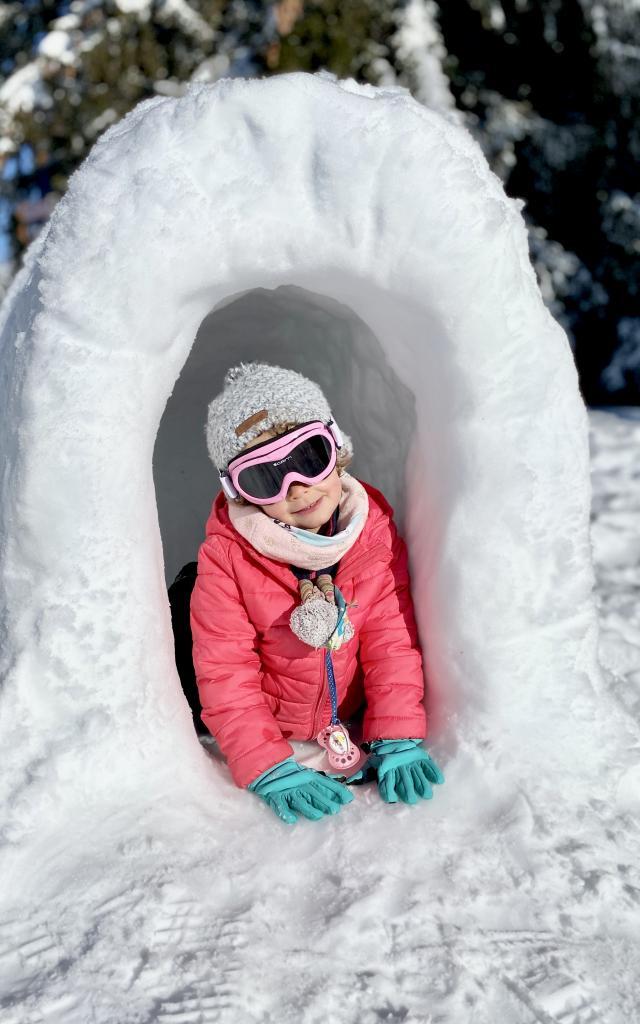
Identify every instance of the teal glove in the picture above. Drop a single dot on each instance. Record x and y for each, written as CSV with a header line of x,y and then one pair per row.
x,y
288,787
404,769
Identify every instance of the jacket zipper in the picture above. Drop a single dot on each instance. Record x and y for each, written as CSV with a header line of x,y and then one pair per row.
x,y
356,566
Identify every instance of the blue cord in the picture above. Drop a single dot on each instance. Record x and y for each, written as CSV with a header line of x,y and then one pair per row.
x,y
332,688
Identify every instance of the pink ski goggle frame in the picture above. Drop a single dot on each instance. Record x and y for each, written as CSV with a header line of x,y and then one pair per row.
x,y
263,474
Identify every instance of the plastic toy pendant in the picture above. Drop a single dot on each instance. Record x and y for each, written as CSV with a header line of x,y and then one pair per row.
x,y
342,754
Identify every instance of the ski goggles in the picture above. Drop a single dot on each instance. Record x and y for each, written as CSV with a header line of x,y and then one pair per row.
x,y
264,473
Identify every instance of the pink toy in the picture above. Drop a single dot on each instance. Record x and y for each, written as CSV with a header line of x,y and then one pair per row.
x,y
342,754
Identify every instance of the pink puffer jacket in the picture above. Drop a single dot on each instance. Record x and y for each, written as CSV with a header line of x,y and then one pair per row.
x,y
260,685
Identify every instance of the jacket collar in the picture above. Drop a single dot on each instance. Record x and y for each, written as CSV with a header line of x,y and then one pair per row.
x,y
365,550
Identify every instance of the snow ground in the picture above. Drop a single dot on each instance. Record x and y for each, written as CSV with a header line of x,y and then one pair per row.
x,y
474,909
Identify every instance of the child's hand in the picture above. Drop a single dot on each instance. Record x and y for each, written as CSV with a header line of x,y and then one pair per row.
x,y
405,770
290,789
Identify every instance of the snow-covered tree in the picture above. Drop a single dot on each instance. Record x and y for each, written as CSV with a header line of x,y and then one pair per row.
x,y
551,91
72,69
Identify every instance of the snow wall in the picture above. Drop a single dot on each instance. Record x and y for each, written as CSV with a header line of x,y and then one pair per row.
x,y
350,233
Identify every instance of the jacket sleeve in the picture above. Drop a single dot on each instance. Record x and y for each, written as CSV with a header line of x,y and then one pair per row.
x,y
229,672
390,656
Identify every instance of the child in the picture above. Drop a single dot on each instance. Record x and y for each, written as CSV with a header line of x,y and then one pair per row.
x,y
301,613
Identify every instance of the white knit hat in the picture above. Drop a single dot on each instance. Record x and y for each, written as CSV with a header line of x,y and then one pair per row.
x,y
257,397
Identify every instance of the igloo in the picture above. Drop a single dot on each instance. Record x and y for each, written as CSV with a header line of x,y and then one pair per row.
x,y
348,232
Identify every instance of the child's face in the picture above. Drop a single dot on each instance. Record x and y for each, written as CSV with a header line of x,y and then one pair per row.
x,y
307,506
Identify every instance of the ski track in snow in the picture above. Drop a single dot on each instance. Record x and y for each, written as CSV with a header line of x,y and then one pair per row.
x,y
531,921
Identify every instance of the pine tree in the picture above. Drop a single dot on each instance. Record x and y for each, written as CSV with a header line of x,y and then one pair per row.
x,y
550,90
70,71
552,93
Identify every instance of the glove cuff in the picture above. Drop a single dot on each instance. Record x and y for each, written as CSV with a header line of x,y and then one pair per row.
x,y
393,746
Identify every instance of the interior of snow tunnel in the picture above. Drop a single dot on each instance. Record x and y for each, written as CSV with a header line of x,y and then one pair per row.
x,y
302,330
403,437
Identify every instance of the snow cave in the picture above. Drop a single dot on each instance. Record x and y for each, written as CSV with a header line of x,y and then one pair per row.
x,y
350,233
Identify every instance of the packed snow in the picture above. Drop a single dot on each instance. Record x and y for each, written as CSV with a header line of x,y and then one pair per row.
x,y
363,240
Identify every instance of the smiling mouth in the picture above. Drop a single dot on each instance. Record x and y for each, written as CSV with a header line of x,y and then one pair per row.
x,y
309,508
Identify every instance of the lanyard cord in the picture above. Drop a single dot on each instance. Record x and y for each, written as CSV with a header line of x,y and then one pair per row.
x,y
332,687
339,630
331,570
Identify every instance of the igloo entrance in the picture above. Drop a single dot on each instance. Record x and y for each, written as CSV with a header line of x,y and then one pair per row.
x,y
303,330
327,340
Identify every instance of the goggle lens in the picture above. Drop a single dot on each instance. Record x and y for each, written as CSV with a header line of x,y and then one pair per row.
x,y
309,459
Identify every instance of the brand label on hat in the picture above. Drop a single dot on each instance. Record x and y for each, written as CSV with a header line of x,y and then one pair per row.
x,y
246,424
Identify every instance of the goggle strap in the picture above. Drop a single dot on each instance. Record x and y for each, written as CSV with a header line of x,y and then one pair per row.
x,y
227,485
333,427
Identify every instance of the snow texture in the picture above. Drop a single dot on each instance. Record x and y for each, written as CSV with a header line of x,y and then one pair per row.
x,y
139,883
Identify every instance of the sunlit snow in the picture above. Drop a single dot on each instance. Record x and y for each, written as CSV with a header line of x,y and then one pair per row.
x,y
362,239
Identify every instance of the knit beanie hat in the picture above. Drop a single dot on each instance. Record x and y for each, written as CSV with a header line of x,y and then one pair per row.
x,y
257,397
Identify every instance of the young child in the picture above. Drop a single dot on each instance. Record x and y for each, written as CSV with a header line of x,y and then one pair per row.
x,y
301,613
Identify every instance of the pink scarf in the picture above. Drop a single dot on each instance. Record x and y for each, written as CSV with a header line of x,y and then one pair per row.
x,y
302,548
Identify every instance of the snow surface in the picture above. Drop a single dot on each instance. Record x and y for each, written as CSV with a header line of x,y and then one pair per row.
x,y
139,884
466,909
